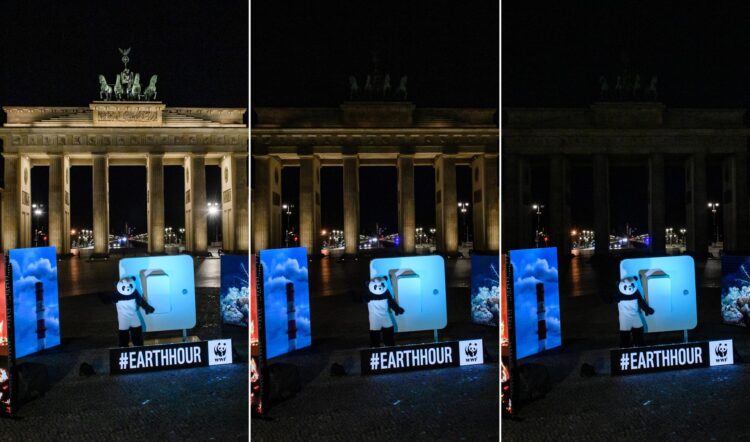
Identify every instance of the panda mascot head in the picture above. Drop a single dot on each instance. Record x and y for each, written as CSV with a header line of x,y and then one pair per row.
x,y
378,285
126,286
628,285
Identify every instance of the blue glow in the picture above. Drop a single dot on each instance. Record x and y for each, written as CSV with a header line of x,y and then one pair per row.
x,y
169,287
30,266
280,267
668,286
419,289
485,289
530,268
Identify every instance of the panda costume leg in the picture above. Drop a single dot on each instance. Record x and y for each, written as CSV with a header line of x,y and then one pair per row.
x,y
388,337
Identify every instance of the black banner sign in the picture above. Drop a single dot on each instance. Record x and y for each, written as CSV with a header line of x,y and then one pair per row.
x,y
128,360
638,360
421,356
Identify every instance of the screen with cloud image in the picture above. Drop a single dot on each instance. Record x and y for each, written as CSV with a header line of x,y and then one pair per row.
x,y
36,311
286,300
537,300
235,306
485,289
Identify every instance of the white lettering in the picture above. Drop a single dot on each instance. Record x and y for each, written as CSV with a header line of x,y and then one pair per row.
x,y
131,359
197,354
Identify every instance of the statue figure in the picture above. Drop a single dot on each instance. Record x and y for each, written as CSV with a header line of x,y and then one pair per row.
x,y
125,59
401,90
368,87
353,87
135,90
618,88
127,80
118,88
150,92
637,87
603,89
650,92
105,90
387,85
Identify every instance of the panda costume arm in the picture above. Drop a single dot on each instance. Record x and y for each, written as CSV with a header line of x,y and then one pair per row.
x,y
142,303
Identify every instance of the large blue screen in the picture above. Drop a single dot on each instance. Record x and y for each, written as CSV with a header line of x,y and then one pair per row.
x,y
36,311
537,300
667,284
287,300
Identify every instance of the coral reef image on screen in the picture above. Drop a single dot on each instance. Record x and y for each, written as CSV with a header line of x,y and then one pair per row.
x,y
735,290
167,283
287,300
485,291
537,300
417,283
235,287
667,285
36,311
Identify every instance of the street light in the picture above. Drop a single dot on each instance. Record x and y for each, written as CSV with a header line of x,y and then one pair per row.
x,y
213,210
713,207
464,207
38,210
287,209
538,208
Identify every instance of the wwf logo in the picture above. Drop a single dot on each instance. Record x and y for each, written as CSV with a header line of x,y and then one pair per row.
x,y
721,350
220,349
471,350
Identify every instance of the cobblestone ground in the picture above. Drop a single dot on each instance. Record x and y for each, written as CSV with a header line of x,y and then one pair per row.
x,y
197,404
698,404
446,404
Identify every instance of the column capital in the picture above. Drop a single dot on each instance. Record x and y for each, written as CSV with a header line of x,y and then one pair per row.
x,y
407,150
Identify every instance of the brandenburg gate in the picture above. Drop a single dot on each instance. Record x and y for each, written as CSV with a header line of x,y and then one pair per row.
x,y
125,133
363,134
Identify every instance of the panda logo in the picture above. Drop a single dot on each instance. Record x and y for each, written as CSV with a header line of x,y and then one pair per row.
x,y
126,286
220,349
628,285
378,285
721,350
471,350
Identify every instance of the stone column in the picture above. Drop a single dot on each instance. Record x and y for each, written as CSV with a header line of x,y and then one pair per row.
x,y
601,204
657,204
351,203
485,196
406,216
25,220
11,203
234,203
511,202
309,204
266,222
155,202
446,204
696,204
559,206
59,203
100,187
735,204
196,213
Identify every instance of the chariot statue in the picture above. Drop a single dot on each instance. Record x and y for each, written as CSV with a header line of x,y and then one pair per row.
x,y
127,84
401,90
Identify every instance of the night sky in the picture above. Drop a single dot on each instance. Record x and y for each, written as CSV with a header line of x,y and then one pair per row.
x,y
553,54
52,53
303,53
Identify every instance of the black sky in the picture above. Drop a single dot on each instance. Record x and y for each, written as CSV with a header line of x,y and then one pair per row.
x,y
554,52
303,52
51,53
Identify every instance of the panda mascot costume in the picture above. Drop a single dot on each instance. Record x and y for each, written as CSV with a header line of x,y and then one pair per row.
x,y
127,299
379,302
629,304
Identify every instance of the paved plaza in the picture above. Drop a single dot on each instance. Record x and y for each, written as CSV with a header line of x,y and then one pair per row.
x,y
444,404
196,404
698,404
